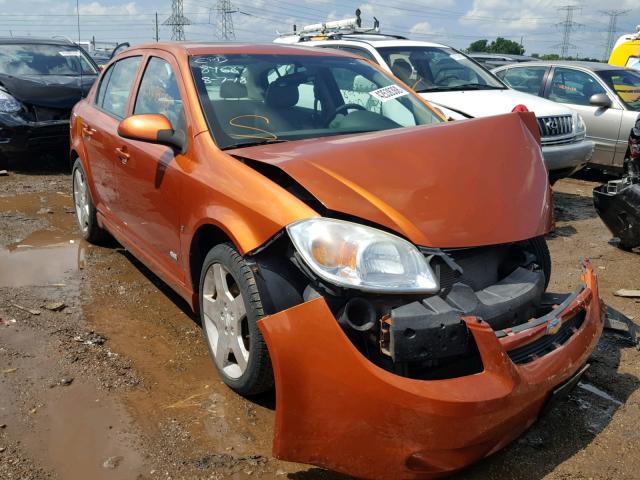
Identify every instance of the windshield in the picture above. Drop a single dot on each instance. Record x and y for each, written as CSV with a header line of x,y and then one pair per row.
x,y
252,99
33,59
431,69
626,84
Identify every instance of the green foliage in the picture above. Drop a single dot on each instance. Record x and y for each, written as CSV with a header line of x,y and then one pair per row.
x,y
499,45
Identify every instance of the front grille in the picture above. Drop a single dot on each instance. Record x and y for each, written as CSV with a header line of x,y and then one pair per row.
x,y
555,126
548,343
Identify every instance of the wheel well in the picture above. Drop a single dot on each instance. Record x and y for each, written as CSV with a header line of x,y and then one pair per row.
x,y
72,158
205,238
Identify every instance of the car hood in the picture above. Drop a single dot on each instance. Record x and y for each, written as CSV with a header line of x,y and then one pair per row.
x,y
484,103
458,184
49,91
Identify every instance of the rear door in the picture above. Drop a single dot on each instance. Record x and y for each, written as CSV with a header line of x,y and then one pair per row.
x,y
110,107
574,88
149,175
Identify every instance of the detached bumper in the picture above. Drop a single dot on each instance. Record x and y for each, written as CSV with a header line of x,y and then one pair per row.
x,y
18,135
563,160
337,410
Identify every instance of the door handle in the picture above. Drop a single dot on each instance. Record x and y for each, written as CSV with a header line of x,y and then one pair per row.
x,y
87,130
123,155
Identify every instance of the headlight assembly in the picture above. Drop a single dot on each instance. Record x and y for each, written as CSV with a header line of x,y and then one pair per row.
x,y
360,257
8,104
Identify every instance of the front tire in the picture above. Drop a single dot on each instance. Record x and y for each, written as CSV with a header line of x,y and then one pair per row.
x,y
230,306
540,249
84,206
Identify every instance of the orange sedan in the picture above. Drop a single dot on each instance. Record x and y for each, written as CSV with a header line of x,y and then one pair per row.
x,y
385,270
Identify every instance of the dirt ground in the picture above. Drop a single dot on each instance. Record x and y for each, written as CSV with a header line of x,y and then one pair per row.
x,y
104,373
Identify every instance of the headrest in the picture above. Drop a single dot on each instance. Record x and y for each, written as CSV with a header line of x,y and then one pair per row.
x,y
401,63
282,95
233,90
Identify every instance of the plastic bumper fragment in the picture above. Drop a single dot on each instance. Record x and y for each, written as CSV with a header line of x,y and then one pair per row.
x,y
337,410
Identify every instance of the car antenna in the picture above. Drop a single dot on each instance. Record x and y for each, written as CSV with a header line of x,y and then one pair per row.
x,y
79,50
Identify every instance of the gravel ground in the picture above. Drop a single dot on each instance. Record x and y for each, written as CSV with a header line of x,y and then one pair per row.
x,y
104,373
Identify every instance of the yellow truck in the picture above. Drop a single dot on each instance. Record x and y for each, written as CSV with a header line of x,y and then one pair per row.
x,y
626,52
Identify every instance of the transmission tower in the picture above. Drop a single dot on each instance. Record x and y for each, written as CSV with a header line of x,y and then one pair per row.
x,y
613,24
177,20
568,27
225,20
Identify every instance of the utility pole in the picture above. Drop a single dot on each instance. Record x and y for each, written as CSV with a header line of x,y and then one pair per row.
x,y
157,29
568,27
177,20
225,20
613,24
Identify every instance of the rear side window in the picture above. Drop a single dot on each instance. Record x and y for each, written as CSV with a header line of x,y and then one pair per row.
x,y
115,86
528,80
159,93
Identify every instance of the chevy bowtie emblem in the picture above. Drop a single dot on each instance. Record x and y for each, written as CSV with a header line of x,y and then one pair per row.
x,y
553,327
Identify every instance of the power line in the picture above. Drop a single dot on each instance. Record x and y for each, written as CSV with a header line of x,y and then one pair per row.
x,y
613,24
177,20
568,27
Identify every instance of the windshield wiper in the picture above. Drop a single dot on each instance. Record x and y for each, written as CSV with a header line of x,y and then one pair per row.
x,y
262,141
464,86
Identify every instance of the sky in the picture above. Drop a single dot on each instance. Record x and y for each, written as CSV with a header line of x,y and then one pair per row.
x,y
452,22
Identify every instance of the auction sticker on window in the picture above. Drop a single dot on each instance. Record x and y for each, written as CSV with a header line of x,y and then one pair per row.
x,y
388,93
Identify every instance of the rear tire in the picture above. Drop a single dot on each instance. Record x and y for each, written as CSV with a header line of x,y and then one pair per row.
x,y
230,306
84,206
538,246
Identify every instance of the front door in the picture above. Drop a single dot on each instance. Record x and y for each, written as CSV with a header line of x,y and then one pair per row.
x,y
149,175
574,88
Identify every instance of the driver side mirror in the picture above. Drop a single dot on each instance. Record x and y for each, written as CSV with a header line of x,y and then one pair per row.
x,y
600,100
152,128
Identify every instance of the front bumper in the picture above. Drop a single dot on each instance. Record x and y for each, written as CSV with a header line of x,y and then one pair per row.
x,y
337,410
565,159
19,135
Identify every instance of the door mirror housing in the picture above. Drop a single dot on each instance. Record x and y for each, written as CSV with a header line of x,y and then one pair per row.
x,y
601,100
152,128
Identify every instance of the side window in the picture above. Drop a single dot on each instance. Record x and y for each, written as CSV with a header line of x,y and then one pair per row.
x,y
573,86
103,86
118,88
528,80
159,93
359,51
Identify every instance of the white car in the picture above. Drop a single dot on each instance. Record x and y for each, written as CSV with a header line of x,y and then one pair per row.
x,y
461,89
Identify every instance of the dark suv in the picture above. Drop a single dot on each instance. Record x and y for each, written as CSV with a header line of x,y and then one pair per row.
x,y
40,81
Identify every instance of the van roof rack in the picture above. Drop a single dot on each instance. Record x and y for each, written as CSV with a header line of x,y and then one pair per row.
x,y
337,29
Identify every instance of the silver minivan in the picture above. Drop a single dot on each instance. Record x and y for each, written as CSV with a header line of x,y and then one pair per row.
x,y
607,97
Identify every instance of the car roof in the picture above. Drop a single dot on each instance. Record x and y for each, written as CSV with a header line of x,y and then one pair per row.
x,y
499,56
205,48
593,66
35,41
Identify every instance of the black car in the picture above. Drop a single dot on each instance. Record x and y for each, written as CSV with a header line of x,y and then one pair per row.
x,y
40,81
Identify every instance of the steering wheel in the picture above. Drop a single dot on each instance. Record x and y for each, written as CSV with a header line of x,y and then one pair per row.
x,y
343,108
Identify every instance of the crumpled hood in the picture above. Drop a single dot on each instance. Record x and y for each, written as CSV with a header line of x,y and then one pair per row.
x,y
483,103
459,184
49,91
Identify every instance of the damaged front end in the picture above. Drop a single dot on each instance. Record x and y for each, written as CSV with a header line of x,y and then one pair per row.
x,y
411,384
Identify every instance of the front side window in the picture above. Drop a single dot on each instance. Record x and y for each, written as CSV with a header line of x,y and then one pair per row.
x,y
626,84
432,69
44,59
250,99
117,86
573,86
159,93
524,79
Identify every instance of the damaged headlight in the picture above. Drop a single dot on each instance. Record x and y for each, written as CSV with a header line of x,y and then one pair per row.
x,y
355,256
8,104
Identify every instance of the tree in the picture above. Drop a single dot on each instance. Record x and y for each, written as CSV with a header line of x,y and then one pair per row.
x,y
499,45
503,45
478,46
